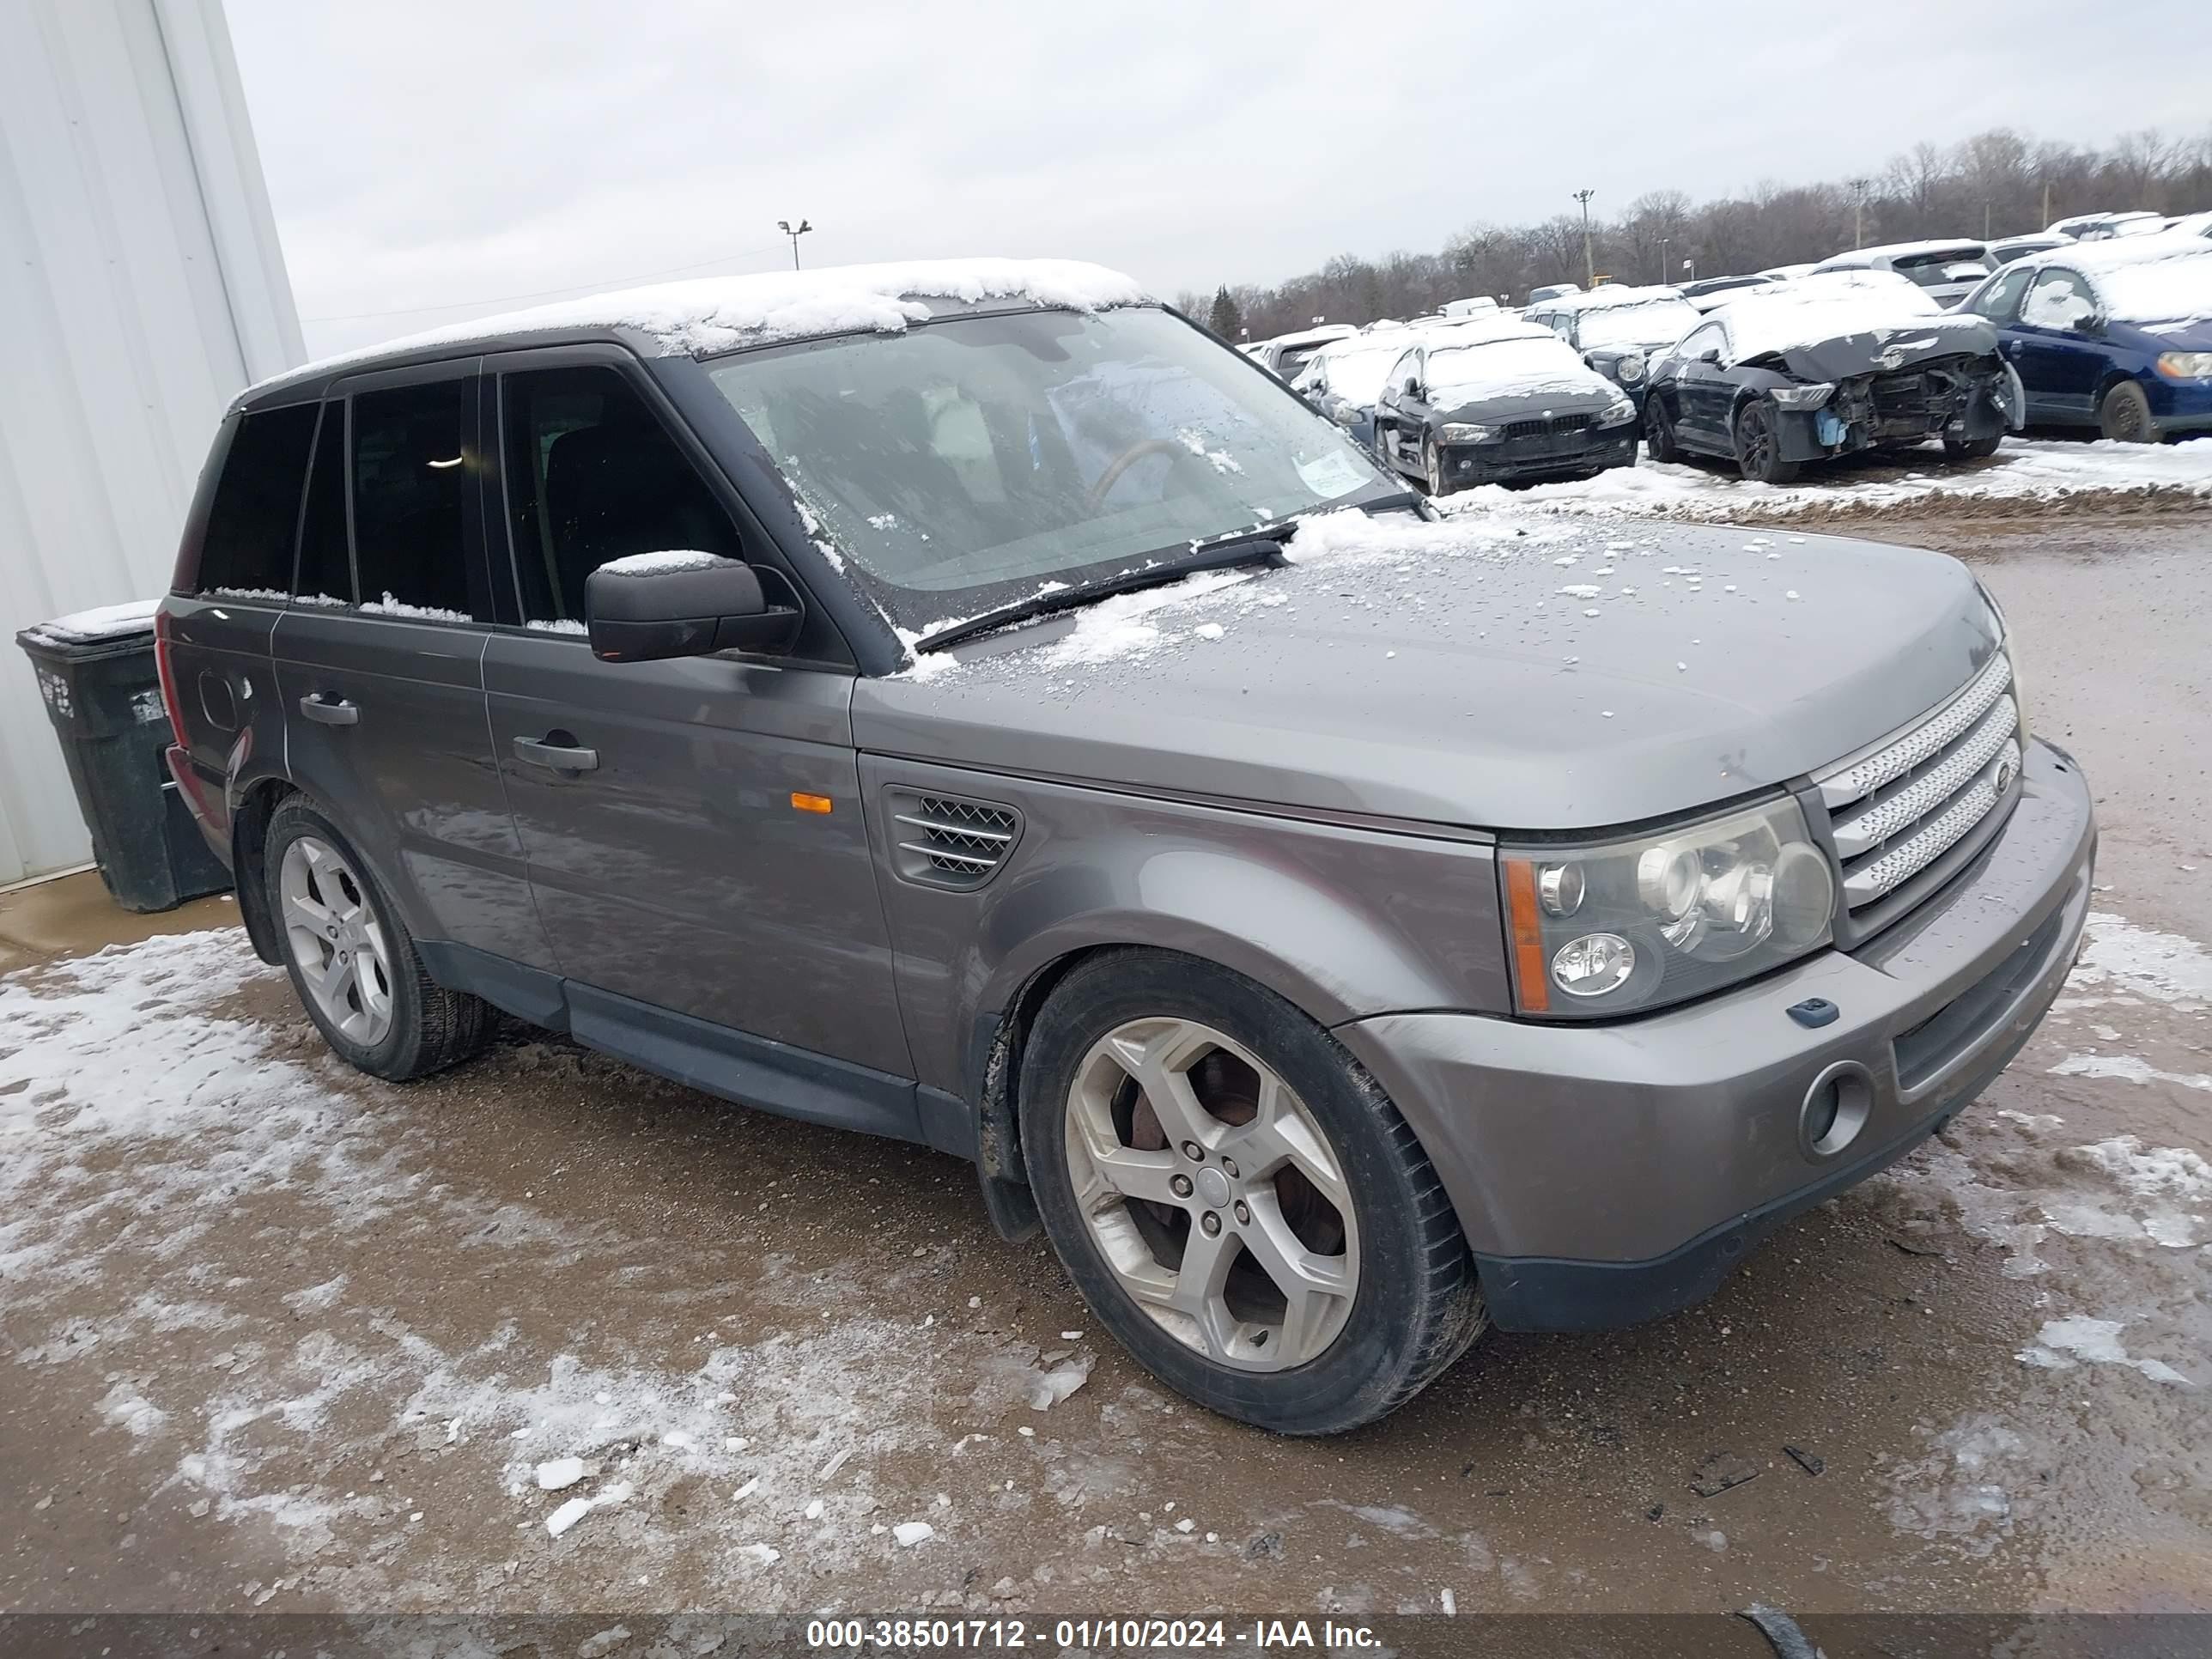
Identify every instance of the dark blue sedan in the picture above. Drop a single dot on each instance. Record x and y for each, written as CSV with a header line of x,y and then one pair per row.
x,y
2117,335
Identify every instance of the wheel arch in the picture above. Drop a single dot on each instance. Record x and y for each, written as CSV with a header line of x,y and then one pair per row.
x,y
256,805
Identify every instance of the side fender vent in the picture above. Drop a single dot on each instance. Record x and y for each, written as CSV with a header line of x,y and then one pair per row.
x,y
943,841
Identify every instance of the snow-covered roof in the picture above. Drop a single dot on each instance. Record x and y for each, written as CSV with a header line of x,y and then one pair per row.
x,y
1321,335
2166,279
720,314
1965,247
1614,293
1466,365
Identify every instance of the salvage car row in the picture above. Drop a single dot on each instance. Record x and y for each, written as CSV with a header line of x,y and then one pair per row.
x,y
1882,349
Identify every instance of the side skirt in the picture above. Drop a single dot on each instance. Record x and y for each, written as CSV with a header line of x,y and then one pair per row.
x,y
751,1071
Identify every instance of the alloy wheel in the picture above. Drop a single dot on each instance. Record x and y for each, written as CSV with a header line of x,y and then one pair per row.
x,y
335,940
1213,1194
1433,463
1758,439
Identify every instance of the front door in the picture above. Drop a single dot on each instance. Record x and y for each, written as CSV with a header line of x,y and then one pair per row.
x,y
2059,367
693,827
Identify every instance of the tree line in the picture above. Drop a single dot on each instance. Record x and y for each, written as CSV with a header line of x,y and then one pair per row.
x,y
1997,183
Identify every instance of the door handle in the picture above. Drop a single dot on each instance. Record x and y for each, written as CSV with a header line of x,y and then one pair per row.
x,y
556,756
333,712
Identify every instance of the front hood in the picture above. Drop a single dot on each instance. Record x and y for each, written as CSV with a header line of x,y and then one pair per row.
x,y
1583,397
1885,350
1478,672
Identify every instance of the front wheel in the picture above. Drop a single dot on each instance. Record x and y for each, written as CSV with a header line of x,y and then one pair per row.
x,y
1759,446
352,960
1658,431
1432,467
1972,449
1237,1199
2124,414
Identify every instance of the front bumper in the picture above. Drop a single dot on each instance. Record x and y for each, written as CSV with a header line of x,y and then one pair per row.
x,y
1607,1175
1540,456
2179,405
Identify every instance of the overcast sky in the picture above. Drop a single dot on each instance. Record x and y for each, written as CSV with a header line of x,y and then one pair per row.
x,y
424,153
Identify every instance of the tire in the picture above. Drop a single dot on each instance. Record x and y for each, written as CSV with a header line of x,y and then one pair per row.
x,y
1432,467
367,992
1373,1219
1972,449
1759,446
1658,431
2124,415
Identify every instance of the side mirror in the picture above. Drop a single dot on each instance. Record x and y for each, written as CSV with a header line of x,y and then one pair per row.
x,y
1412,388
2089,323
1710,355
653,606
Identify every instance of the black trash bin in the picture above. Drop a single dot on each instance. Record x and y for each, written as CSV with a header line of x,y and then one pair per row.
x,y
103,691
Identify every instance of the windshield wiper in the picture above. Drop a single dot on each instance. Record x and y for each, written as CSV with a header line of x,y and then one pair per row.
x,y
1263,546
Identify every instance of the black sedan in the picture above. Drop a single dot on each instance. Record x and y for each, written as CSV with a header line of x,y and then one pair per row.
x,y
1825,368
1499,400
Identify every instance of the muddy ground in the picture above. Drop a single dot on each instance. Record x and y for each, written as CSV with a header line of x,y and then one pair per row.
x,y
276,1336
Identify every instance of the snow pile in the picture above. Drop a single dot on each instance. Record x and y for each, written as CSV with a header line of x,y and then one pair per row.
x,y
661,564
2023,470
720,314
101,622
2142,961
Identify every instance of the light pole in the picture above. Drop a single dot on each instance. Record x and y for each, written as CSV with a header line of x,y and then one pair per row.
x,y
1859,212
794,232
1664,241
1589,264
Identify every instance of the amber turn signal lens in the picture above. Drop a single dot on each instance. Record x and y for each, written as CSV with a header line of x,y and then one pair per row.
x,y
809,803
1527,935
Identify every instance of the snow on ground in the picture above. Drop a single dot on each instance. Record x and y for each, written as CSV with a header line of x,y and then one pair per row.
x,y
2025,469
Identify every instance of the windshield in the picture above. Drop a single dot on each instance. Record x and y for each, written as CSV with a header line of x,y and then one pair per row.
x,y
965,462
1659,322
2177,289
1504,368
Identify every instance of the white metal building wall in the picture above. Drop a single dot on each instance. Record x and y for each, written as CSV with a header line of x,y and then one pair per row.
x,y
141,286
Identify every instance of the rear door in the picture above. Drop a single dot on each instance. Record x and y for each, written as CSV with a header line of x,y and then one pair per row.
x,y
379,659
702,849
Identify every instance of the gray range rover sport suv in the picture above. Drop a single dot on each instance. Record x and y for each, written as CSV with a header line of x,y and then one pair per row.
x,y
967,703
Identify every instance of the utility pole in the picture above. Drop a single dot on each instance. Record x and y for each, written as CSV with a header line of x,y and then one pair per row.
x,y
1589,264
2047,201
1663,240
1985,222
1859,212
794,232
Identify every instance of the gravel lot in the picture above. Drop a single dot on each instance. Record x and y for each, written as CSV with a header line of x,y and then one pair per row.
x,y
277,1336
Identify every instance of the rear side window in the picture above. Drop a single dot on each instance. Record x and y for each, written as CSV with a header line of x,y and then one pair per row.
x,y
592,475
256,511
411,482
325,570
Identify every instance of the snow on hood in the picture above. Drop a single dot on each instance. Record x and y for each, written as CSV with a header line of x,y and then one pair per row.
x,y
1775,321
719,313
1517,365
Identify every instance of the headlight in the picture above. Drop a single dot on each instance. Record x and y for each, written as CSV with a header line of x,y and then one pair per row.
x,y
1454,432
1619,409
1802,397
1615,927
2185,365
1630,368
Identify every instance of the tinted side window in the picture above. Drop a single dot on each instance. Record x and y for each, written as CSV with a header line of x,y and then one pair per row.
x,y
592,475
256,510
410,491
325,563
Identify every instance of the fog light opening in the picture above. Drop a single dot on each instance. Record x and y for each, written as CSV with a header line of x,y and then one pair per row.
x,y
1836,1108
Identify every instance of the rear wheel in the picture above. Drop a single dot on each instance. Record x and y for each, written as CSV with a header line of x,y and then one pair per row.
x,y
2124,414
1236,1198
1659,431
352,960
1759,446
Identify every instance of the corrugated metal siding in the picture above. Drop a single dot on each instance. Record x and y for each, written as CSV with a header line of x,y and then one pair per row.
x,y
141,286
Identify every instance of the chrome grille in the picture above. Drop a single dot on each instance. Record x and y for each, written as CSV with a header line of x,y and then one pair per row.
x,y
943,841
1895,811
